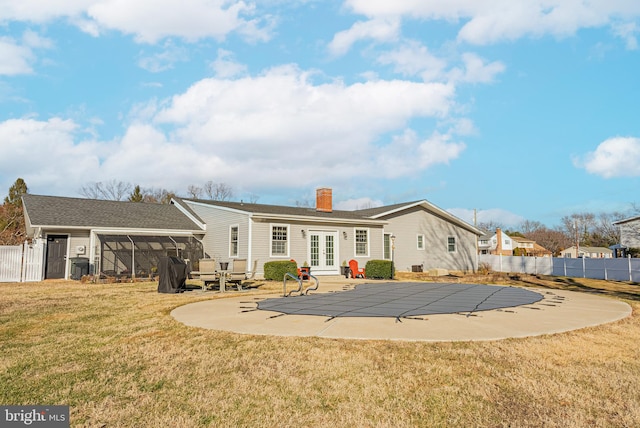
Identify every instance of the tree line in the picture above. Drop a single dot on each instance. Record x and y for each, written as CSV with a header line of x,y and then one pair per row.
x,y
114,190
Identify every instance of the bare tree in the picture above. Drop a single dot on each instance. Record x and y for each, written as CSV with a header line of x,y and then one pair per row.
x,y
554,240
158,196
218,191
489,226
253,198
111,190
530,226
194,191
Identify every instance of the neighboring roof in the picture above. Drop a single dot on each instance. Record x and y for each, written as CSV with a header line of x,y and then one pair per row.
x,y
586,249
521,239
56,211
627,220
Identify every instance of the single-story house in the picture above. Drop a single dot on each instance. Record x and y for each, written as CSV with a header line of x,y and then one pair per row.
x,y
86,236
531,247
410,234
115,238
587,252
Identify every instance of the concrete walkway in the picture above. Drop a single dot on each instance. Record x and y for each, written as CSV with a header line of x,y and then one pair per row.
x,y
558,311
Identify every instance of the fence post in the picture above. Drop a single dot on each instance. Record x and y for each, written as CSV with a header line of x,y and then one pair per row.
x,y
584,272
629,259
501,263
605,269
564,262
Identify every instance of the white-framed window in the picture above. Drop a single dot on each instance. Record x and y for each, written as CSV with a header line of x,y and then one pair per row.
x,y
279,240
361,242
386,245
451,244
233,240
420,241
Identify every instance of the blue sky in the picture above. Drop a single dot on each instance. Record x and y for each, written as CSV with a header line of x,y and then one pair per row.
x,y
521,110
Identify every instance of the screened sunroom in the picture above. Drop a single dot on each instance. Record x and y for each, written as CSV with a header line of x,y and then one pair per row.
x,y
139,255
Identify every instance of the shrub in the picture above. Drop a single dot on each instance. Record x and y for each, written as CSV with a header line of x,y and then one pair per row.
x,y
484,268
274,271
378,269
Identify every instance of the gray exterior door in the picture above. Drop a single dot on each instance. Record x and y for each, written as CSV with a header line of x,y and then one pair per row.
x,y
56,256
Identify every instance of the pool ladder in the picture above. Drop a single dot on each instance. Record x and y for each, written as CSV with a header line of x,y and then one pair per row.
x,y
299,281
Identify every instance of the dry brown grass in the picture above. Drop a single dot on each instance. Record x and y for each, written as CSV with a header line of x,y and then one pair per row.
x,y
114,354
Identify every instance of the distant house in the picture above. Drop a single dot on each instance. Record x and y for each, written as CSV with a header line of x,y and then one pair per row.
x,y
587,252
411,234
629,232
530,247
498,243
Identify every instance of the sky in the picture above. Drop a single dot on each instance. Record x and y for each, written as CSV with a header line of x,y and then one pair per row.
x,y
519,110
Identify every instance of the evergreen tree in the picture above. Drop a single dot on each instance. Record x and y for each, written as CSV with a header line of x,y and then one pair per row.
x,y
136,195
12,228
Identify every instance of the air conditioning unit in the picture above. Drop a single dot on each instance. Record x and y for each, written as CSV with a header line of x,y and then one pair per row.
x,y
80,249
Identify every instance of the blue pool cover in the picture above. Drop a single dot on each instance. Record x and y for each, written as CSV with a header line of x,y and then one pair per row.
x,y
404,299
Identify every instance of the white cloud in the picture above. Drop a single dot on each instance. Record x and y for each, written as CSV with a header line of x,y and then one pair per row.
x,y
15,59
628,31
147,20
476,70
226,66
490,21
379,30
38,150
165,59
414,59
274,130
615,157
188,19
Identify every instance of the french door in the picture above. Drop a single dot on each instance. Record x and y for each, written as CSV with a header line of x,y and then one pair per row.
x,y
323,252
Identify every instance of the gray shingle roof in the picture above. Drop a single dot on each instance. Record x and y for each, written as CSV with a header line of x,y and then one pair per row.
x,y
92,213
284,210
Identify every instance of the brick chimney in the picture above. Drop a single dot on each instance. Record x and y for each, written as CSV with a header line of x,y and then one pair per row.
x,y
499,238
324,202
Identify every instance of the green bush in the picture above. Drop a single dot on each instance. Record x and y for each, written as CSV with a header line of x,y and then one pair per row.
x,y
378,269
274,271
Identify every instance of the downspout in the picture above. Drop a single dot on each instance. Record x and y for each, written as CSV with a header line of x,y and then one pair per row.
x,y
250,244
133,259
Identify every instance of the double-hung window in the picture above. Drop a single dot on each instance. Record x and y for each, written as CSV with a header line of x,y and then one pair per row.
x,y
420,242
362,242
233,241
279,241
451,244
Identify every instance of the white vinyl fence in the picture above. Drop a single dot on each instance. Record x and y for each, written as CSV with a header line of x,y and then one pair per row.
x,y
614,269
21,263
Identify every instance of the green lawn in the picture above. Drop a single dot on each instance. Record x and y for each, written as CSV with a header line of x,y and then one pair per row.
x,y
114,354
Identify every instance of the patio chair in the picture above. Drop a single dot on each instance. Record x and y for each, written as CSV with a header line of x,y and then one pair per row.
x,y
355,271
238,273
207,272
303,272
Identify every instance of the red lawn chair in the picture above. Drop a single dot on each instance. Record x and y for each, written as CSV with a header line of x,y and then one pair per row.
x,y
355,271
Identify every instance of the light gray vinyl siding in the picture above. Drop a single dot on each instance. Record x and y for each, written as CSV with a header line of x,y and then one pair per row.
x,y
630,234
216,239
436,231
